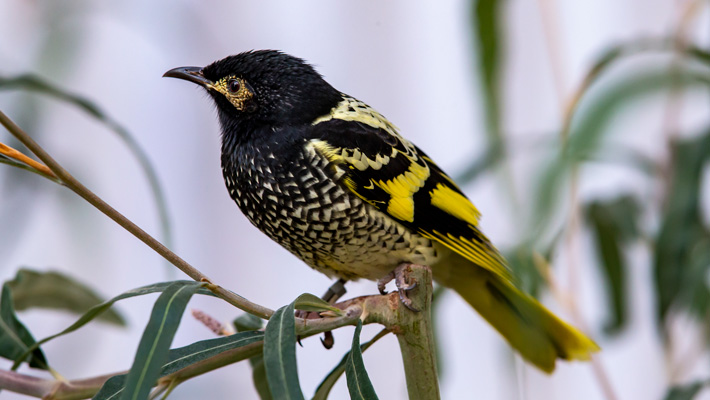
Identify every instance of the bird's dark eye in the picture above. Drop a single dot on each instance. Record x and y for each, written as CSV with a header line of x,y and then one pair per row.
x,y
233,85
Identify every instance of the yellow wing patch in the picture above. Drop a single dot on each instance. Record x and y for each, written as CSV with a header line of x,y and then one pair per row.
x,y
487,258
454,203
400,189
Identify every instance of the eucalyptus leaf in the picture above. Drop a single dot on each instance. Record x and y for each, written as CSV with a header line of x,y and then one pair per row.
x,y
280,355
327,384
682,248
248,322
54,290
95,311
183,357
488,39
245,323
16,340
359,384
310,302
613,224
588,132
685,392
154,346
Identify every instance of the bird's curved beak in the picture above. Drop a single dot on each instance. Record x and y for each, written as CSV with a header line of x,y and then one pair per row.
x,y
192,74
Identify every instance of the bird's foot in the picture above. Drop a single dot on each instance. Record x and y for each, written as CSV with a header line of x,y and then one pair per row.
x,y
382,282
399,275
334,292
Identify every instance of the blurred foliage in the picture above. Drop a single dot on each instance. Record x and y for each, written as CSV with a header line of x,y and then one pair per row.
x,y
34,83
685,392
682,247
614,224
15,339
54,290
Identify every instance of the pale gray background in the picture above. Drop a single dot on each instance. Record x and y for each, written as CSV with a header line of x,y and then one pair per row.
x,y
413,61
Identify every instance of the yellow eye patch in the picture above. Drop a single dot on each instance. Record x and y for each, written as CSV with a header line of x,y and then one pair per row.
x,y
235,90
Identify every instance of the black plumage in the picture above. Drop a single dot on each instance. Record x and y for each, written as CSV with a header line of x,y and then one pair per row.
x,y
333,181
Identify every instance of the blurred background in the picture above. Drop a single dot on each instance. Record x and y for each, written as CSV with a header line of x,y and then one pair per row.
x,y
580,130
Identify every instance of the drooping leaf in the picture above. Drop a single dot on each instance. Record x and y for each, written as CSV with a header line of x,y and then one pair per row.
x,y
183,357
155,343
313,303
245,323
112,388
95,311
485,16
682,248
54,290
327,384
613,224
280,355
588,133
488,38
15,338
685,392
38,84
359,384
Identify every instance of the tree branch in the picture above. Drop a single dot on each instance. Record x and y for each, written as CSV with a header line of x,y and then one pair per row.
x,y
69,181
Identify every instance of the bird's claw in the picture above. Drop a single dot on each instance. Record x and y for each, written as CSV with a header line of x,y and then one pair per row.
x,y
382,282
403,286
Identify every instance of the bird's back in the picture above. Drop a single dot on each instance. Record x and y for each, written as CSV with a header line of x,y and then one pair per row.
x,y
293,194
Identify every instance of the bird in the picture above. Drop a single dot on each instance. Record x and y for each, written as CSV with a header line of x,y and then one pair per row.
x,y
335,183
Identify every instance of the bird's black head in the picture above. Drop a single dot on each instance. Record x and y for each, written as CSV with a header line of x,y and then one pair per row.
x,y
263,88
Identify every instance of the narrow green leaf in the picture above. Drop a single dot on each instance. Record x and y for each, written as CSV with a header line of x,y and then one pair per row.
x,y
112,388
280,355
248,322
154,346
310,302
682,248
95,311
685,392
613,224
486,15
587,134
183,357
15,338
36,83
327,384
199,351
359,384
589,129
54,290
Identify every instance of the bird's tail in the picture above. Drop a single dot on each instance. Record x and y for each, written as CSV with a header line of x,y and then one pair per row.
x,y
535,332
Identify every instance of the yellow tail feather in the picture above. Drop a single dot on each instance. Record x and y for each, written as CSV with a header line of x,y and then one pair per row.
x,y
535,332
